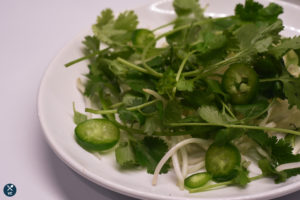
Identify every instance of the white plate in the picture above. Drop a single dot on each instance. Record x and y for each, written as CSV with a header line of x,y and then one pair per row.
x,y
58,91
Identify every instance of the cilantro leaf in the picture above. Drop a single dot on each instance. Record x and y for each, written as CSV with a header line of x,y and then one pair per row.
x,y
78,117
125,156
152,124
241,178
130,117
285,45
166,84
185,7
126,21
92,44
185,85
149,152
250,111
269,170
216,87
211,114
291,89
254,11
279,151
226,135
115,32
138,84
172,111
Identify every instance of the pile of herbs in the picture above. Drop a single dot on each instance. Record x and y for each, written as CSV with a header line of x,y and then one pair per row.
x,y
154,92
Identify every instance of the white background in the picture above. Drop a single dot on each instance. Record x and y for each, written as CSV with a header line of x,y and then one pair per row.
x,y
31,33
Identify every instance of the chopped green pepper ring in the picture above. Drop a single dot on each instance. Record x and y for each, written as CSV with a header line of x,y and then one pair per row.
x,y
240,81
197,180
142,37
221,161
97,134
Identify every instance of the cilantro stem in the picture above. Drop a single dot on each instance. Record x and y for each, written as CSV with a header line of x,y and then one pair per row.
x,y
150,44
236,126
85,57
181,68
129,64
163,26
216,66
217,185
113,111
228,109
268,80
116,105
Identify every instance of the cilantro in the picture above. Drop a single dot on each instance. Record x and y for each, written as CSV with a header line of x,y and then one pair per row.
x,y
241,178
166,84
78,117
186,7
130,117
254,11
213,115
279,151
115,32
92,44
125,156
286,44
224,136
216,88
252,111
185,85
149,152
269,170
291,89
152,124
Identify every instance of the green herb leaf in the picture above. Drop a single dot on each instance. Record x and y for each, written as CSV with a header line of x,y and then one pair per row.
x,y
291,89
115,32
185,85
152,124
211,114
185,7
285,45
254,11
226,135
149,152
125,156
279,151
269,170
241,178
250,111
78,117
130,117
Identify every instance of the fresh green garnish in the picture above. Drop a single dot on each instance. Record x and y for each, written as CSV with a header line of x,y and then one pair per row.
x,y
214,82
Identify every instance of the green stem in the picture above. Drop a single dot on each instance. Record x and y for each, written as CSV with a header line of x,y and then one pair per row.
x,y
181,69
133,66
217,185
113,111
236,126
228,109
212,68
268,80
163,26
150,44
84,57
116,105
81,59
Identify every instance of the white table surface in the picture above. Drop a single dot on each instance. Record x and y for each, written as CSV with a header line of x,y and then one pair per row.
x,y
31,33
